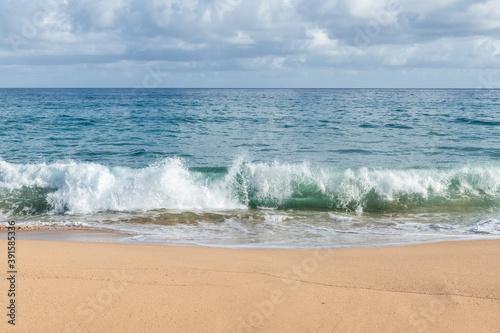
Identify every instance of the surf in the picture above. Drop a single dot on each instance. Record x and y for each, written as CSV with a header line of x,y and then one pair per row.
x,y
73,187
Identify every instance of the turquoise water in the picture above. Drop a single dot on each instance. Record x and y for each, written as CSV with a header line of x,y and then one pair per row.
x,y
288,168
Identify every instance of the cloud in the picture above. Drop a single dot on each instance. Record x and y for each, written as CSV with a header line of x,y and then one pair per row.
x,y
289,38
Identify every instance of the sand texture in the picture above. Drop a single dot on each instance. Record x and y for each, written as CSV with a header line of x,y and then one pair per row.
x,y
111,287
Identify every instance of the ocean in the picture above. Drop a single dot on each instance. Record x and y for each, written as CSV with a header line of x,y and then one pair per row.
x,y
254,168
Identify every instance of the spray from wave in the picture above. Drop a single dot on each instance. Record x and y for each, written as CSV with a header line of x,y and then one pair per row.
x,y
85,188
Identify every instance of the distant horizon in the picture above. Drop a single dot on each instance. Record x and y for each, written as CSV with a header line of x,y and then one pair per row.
x,y
256,88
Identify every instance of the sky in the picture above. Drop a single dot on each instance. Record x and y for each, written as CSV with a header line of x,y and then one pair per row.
x,y
250,43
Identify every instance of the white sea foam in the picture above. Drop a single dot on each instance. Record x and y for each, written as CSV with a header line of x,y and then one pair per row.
x,y
82,188
85,188
488,226
276,218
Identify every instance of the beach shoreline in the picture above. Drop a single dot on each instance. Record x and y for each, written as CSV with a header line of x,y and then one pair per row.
x,y
103,235
100,286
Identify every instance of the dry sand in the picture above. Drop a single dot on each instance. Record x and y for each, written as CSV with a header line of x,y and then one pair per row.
x,y
110,287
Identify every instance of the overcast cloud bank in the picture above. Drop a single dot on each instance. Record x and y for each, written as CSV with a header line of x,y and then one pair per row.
x,y
239,43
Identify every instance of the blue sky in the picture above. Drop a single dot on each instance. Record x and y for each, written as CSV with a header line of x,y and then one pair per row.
x,y
240,43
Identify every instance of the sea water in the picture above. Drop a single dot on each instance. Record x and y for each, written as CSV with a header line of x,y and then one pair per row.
x,y
254,168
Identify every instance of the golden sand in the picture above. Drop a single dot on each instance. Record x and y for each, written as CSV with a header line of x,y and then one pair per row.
x,y
111,287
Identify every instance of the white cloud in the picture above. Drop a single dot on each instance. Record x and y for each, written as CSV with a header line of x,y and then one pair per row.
x,y
107,12
292,36
366,8
485,14
241,38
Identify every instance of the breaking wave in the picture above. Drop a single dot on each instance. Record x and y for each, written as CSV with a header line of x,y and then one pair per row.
x,y
85,188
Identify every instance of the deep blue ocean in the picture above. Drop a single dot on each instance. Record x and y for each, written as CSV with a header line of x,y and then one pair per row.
x,y
255,168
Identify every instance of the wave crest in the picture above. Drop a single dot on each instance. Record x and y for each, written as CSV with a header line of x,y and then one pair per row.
x,y
83,188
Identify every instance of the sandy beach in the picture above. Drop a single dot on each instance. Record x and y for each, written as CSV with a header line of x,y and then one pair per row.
x,y
111,287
